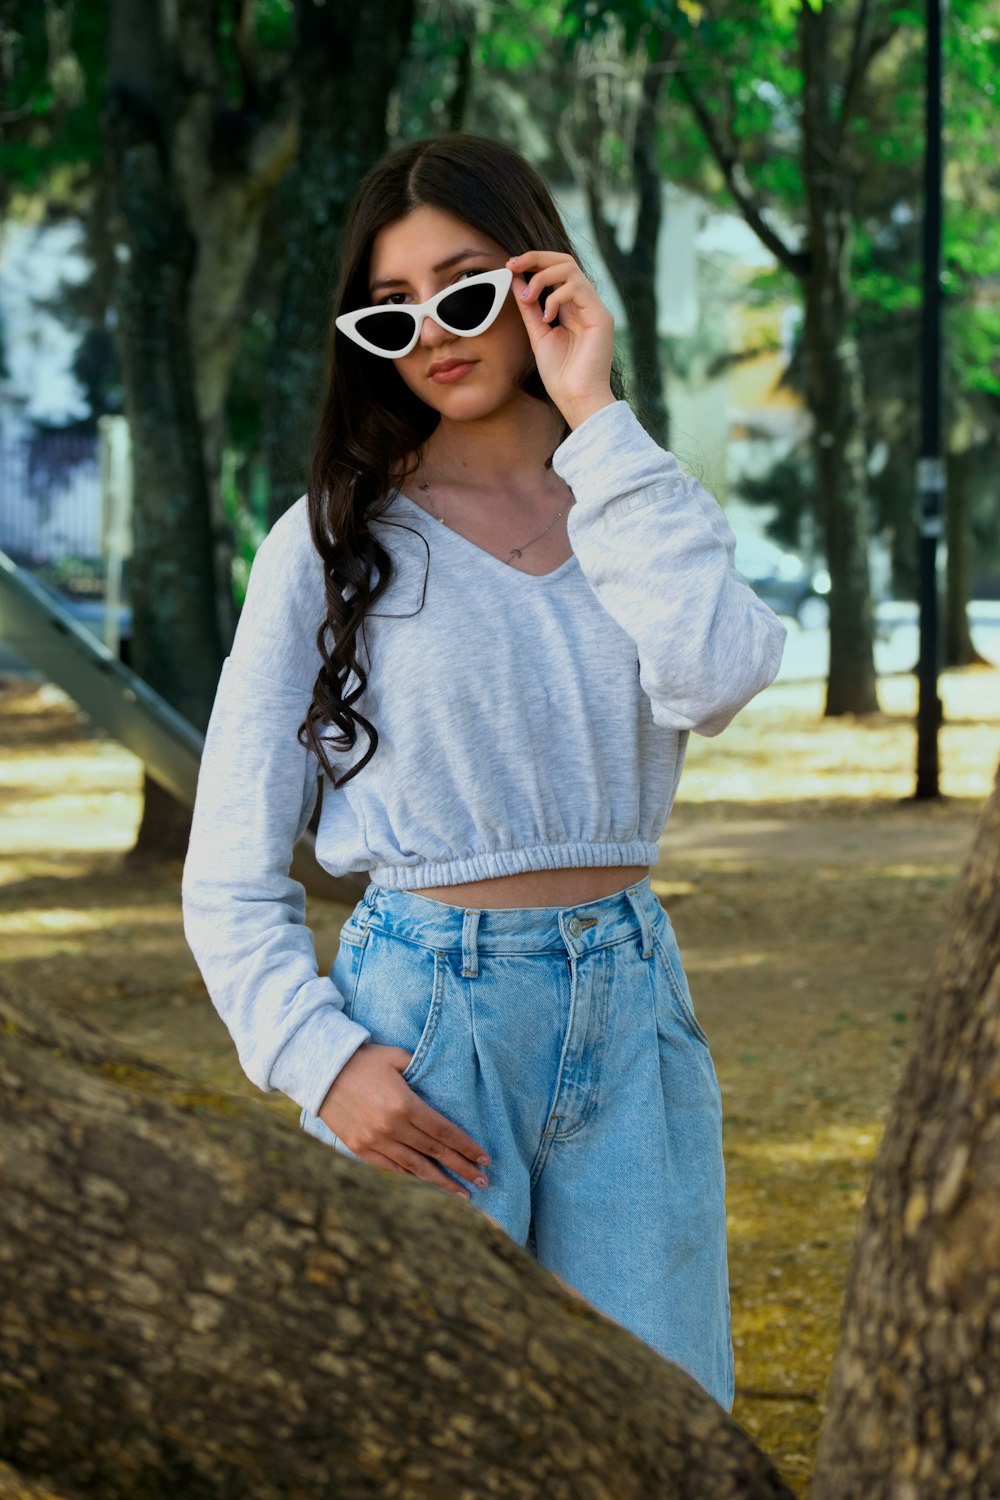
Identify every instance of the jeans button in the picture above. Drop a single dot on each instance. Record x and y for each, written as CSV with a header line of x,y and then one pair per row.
x,y
574,926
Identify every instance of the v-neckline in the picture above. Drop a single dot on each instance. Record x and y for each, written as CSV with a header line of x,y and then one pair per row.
x,y
564,567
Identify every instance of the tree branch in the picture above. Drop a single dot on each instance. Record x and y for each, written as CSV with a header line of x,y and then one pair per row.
x,y
220,1306
735,174
866,44
644,164
604,231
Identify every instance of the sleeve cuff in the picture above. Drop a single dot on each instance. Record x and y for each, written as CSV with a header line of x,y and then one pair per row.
x,y
313,1056
609,454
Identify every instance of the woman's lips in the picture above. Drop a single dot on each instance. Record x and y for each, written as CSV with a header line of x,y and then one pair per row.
x,y
445,374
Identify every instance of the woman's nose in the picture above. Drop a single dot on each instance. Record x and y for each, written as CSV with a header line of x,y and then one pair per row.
x,y
432,335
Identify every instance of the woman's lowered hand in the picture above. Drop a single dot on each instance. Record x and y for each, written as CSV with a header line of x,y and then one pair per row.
x,y
373,1110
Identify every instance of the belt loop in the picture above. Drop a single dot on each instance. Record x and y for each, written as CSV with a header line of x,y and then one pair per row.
x,y
470,955
645,924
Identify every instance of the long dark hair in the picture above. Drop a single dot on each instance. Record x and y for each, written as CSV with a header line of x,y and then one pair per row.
x,y
370,421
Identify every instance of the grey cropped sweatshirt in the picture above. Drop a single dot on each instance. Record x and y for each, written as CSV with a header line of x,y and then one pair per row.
x,y
524,723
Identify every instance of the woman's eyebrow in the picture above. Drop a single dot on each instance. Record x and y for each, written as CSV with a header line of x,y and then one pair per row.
x,y
445,265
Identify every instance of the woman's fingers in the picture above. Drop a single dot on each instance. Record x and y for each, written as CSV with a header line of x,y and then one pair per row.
x,y
436,1179
568,292
428,1121
455,1162
567,286
418,1165
561,274
543,260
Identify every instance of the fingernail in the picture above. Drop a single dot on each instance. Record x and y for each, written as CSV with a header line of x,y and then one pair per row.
x,y
482,1161
525,291
481,1182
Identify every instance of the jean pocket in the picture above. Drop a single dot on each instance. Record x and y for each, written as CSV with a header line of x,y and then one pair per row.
x,y
355,936
347,966
399,999
666,946
352,930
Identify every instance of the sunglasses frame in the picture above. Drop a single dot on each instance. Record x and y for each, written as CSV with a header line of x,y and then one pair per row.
x,y
501,280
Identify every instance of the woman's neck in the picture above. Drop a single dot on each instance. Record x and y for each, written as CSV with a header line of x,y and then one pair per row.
x,y
515,442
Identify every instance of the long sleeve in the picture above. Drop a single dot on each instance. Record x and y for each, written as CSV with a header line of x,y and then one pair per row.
x,y
657,551
244,916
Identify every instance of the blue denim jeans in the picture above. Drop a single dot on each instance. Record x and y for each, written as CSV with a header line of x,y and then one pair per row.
x,y
564,1041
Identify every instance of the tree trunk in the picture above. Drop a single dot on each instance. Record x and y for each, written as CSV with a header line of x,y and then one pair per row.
x,y
913,1408
832,371
15,1486
189,175
176,645
199,1301
958,648
164,828
833,381
633,271
228,157
347,62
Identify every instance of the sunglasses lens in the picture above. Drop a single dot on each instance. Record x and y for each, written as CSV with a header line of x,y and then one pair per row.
x,y
388,330
468,306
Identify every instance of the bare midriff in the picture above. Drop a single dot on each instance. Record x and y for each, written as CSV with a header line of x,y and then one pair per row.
x,y
540,887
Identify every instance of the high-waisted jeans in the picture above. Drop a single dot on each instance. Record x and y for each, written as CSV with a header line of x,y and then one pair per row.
x,y
564,1041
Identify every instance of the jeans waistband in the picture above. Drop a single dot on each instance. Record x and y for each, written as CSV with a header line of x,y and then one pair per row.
x,y
574,930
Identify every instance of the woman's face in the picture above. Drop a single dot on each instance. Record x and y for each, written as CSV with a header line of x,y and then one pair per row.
x,y
422,254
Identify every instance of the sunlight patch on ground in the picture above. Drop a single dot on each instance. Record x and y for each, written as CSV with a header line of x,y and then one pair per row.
x,y
100,822
694,964
40,865
58,920
672,888
890,872
836,1142
780,748
103,764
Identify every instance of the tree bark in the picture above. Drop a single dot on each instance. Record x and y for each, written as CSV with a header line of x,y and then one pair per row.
x,y
637,280
633,271
227,158
176,645
188,179
833,381
913,1409
15,1486
202,1302
164,827
347,64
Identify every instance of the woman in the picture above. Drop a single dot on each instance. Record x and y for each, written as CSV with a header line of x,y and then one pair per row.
x,y
507,1017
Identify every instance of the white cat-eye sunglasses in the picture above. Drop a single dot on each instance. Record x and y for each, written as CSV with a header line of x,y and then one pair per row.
x,y
393,329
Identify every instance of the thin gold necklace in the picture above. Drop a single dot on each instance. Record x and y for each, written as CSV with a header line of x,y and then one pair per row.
x,y
516,551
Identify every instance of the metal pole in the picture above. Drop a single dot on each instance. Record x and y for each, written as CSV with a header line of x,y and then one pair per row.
x,y
931,465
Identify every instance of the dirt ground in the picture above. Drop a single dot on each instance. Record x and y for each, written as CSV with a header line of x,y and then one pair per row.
x,y
809,897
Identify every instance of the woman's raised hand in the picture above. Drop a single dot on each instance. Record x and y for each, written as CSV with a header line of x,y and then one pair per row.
x,y
573,355
379,1117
